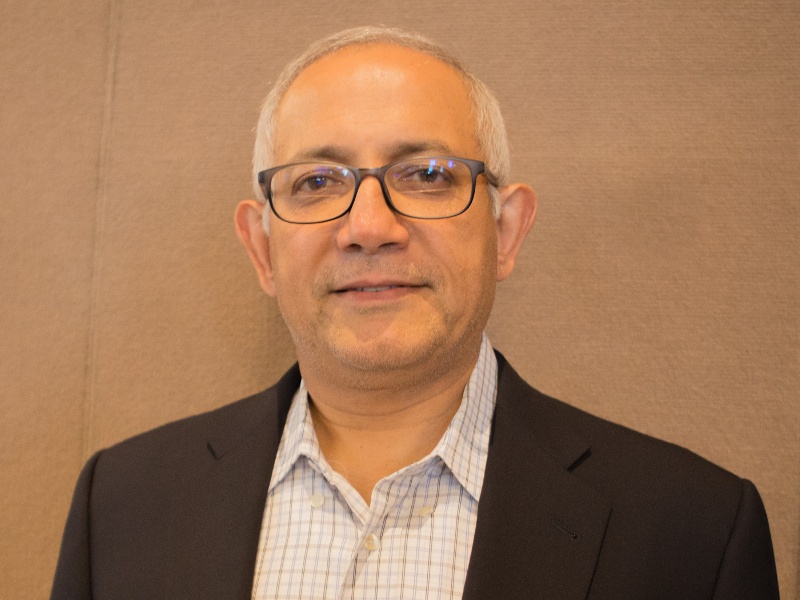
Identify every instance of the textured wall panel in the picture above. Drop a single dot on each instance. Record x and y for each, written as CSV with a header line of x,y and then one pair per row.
x,y
51,115
659,288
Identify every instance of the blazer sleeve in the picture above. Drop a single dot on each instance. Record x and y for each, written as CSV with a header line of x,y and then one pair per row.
x,y
73,578
747,571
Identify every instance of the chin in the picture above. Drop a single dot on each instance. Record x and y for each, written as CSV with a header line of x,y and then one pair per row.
x,y
424,352
384,353
417,347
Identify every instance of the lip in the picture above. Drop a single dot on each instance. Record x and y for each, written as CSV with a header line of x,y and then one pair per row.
x,y
375,289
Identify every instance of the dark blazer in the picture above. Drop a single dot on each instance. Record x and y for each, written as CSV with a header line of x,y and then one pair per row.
x,y
572,507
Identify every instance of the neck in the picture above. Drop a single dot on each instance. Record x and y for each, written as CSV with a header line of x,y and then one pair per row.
x,y
368,432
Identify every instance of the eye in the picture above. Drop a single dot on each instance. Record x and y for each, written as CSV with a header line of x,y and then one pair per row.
x,y
313,183
431,174
428,176
319,181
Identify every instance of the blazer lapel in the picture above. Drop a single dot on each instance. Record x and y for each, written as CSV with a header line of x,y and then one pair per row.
x,y
539,528
215,518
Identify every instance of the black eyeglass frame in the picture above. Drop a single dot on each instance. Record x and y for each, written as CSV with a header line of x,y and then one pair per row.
x,y
476,167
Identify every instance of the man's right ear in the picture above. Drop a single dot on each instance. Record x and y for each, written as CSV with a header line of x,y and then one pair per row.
x,y
250,230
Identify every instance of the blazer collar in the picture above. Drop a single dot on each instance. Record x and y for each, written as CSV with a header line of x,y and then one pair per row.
x,y
539,528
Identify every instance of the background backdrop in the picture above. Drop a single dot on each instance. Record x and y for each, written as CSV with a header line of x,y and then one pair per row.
x,y
659,287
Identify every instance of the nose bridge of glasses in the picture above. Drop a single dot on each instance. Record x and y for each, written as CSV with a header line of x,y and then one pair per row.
x,y
378,173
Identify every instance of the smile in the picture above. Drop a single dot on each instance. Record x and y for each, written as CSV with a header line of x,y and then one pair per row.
x,y
376,291
375,285
381,288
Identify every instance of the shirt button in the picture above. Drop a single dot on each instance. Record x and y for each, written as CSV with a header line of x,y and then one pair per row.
x,y
317,500
371,542
425,511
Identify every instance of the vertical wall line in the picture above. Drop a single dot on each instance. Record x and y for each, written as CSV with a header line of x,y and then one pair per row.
x,y
98,246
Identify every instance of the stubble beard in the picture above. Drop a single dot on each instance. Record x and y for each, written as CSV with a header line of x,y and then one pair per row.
x,y
423,350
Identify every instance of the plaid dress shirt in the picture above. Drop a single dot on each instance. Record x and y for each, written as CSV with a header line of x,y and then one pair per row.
x,y
320,539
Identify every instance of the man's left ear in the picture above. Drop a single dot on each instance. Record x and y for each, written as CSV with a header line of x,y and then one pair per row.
x,y
517,214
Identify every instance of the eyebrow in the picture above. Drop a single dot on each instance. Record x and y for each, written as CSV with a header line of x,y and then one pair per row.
x,y
393,152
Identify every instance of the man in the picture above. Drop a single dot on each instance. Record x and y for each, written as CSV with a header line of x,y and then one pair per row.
x,y
401,457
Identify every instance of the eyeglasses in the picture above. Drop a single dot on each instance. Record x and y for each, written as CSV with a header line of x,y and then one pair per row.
x,y
435,187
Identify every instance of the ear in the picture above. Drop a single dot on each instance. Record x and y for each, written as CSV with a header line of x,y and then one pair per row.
x,y
517,214
250,230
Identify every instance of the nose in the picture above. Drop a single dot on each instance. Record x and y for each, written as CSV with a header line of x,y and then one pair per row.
x,y
371,225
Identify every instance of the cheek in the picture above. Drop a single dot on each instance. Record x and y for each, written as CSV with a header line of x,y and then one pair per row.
x,y
290,265
482,243
474,258
295,249
486,269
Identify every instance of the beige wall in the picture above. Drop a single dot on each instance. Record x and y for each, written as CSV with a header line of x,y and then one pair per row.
x,y
659,289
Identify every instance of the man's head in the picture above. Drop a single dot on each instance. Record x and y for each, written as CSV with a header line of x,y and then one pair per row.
x,y
373,296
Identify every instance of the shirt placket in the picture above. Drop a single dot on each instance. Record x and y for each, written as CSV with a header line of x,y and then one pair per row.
x,y
364,578
366,545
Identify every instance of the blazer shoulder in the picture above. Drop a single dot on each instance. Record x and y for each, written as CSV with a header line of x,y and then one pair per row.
x,y
703,521
617,460
220,429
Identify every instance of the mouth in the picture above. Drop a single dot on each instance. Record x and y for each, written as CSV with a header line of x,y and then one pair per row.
x,y
373,288
377,288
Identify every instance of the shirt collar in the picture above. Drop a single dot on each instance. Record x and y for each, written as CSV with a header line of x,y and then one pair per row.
x,y
463,447
298,437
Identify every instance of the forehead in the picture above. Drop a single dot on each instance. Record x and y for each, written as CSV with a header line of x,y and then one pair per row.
x,y
371,98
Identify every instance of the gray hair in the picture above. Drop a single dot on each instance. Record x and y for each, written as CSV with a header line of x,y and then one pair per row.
x,y
490,128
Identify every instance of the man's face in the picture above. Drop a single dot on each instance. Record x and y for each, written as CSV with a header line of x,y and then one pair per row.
x,y
374,290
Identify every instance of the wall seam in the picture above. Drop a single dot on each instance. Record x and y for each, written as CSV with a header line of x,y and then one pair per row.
x,y
101,198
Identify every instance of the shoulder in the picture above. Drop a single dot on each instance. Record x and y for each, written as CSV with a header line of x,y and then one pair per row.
x,y
213,433
671,511
631,468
